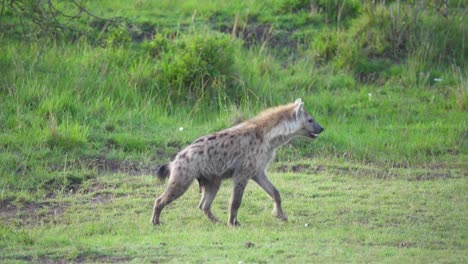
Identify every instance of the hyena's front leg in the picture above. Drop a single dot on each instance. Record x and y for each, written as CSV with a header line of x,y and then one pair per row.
x,y
209,191
262,180
236,200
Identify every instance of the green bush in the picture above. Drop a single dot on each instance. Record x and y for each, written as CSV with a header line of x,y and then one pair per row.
x,y
193,66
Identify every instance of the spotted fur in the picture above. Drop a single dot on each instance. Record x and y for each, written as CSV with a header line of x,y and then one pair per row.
x,y
242,153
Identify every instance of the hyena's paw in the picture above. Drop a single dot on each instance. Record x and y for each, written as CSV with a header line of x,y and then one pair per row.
x,y
280,215
283,218
154,221
234,224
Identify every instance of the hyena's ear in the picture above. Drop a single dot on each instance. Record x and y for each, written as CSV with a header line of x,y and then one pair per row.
x,y
298,101
299,109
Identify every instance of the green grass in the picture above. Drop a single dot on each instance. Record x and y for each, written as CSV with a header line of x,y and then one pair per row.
x,y
85,119
335,215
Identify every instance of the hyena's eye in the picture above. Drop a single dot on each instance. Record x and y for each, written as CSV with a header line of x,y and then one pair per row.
x,y
310,120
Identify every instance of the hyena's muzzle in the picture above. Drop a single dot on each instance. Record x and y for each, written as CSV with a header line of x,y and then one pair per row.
x,y
310,127
316,130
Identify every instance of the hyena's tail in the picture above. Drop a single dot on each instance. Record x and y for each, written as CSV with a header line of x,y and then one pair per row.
x,y
163,172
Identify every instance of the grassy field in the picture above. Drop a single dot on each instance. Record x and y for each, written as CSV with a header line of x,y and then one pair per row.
x,y
335,215
90,108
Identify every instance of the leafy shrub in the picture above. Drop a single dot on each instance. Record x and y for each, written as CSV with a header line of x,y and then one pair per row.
x,y
194,66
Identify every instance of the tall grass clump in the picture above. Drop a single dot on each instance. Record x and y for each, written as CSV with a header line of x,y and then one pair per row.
x,y
68,135
384,35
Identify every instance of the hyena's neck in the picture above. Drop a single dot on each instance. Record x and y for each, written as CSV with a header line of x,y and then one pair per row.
x,y
279,141
281,134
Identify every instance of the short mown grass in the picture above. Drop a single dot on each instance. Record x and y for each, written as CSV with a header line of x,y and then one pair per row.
x,y
335,215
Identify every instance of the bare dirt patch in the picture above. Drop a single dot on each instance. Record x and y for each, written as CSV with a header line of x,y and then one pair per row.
x,y
428,176
102,198
30,213
102,259
103,165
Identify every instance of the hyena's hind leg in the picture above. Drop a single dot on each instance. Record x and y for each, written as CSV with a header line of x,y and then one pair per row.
x,y
209,191
262,180
177,186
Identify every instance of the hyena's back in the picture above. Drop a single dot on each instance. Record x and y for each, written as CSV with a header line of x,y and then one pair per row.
x,y
221,154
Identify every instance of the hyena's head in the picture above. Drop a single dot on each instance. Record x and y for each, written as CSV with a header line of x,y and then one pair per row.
x,y
308,126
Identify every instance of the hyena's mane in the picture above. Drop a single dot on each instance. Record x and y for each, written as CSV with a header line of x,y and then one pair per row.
x,y
270,118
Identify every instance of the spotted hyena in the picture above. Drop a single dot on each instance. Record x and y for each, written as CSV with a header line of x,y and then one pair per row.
x,y
242,153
